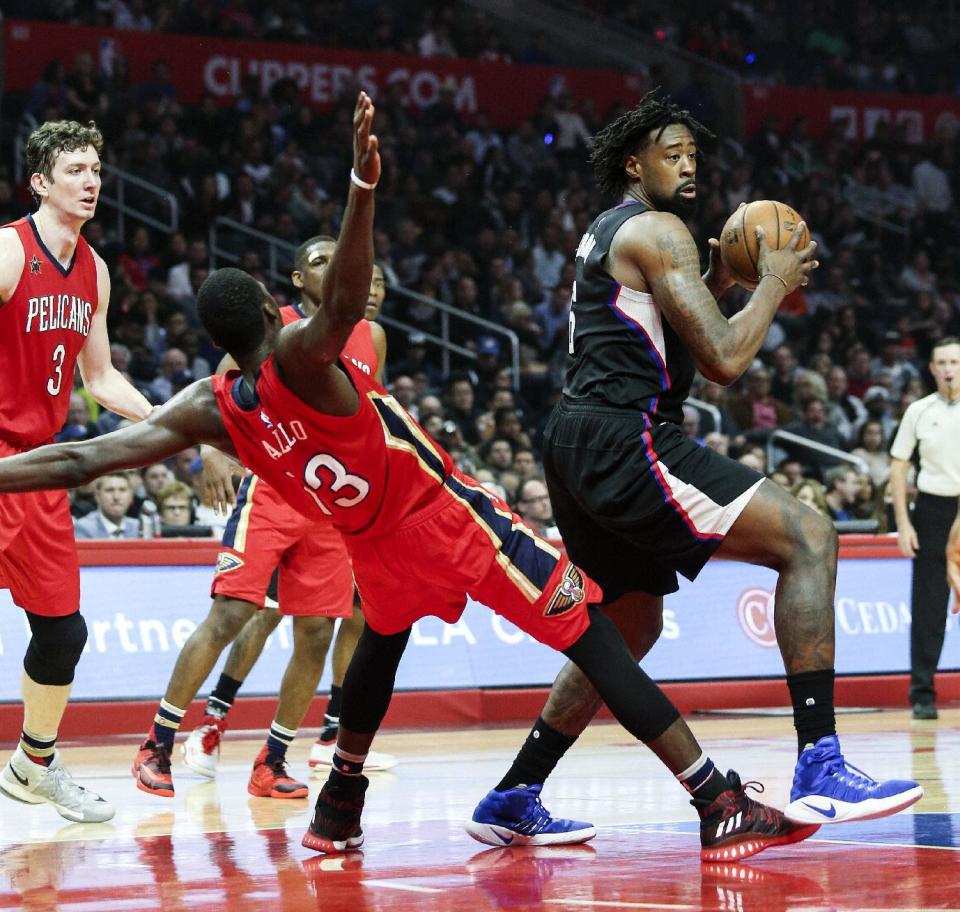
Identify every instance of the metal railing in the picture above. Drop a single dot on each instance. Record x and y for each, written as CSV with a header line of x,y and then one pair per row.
x,y
796,441
711,410
279,259
115,192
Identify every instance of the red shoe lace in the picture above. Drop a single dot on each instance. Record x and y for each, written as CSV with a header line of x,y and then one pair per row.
x,y
211,737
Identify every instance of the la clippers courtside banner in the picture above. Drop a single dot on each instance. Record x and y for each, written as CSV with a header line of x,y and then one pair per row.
x,y
720,627
199,65
921,116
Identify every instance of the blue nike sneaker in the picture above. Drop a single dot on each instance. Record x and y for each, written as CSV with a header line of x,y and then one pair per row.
x,y
516,817
827,789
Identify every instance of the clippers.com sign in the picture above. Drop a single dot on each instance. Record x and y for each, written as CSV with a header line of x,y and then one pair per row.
x,y
755,613
220,67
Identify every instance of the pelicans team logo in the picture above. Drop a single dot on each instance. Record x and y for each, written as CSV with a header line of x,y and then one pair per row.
x,y
227,562
34,265
567,594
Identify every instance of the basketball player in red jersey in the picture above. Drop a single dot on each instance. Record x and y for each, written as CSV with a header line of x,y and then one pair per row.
x,y
264,535
54,292
421,535
201,749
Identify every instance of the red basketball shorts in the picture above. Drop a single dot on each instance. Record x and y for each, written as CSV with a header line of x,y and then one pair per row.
x,y
38,555
471,545
263,534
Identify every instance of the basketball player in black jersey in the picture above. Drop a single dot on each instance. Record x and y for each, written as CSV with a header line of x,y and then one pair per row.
x,y
637,502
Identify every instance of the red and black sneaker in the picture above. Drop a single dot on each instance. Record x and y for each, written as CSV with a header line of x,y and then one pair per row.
x,y
151,769
734,826
269,778
336,818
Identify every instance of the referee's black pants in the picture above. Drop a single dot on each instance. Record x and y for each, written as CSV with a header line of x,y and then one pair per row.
x,y
929,593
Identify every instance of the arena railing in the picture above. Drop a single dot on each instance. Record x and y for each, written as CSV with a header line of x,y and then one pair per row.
x,y
597,42
228,239
795,441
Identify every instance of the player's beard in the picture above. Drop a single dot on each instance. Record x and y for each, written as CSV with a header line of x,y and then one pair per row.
x,y
676,204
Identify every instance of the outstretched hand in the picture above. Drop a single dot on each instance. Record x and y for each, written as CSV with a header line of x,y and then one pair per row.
x,y
366,154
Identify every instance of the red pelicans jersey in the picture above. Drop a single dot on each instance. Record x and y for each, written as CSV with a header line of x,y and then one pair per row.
x,y
359,348
368,471
42,329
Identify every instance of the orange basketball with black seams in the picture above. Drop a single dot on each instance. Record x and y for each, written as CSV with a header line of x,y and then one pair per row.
x,y
739,246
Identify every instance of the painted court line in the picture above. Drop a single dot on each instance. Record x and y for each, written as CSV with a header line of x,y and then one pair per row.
x,y
397,885
612,904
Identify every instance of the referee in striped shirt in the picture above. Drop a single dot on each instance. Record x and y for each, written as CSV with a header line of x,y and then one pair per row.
x,y
931,429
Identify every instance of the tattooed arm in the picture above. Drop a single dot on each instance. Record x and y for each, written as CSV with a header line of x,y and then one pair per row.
x,y
657,250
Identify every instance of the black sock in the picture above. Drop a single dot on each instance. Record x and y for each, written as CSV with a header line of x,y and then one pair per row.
x,y
334,703
222,696
539,755
812,695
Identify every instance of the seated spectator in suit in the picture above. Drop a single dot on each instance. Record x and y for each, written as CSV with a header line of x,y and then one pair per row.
x,y
114,496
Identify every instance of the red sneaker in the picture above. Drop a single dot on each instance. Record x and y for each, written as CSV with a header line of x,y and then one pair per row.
x,y
734,827
269,778
151,769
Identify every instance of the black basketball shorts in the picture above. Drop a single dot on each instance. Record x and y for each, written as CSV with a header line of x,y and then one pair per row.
x,y
636,504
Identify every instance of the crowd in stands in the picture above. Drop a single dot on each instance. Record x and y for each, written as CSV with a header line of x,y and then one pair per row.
x,y
488,221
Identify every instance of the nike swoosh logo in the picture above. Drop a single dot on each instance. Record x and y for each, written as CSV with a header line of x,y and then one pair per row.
x,y
503,839
18,777
830,813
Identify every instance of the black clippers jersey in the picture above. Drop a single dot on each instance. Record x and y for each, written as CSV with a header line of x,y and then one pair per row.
x,y
625,353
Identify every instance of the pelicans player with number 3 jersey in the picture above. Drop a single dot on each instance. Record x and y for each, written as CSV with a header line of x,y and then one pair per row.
x,y
54,292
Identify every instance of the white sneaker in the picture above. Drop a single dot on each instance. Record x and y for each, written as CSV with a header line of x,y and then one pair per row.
x,y
201,750
26,781
321,754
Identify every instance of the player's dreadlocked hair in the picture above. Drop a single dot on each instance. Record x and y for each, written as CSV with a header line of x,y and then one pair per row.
x,y
630,132
229,303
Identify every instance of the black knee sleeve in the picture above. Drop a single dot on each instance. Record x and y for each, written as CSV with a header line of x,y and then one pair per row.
x,y
368,683
54,648
639,705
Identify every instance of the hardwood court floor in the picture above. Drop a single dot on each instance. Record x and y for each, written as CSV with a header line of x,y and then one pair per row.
x,y
213,847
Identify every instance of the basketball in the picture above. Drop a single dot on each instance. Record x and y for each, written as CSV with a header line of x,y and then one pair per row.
x,y
739,246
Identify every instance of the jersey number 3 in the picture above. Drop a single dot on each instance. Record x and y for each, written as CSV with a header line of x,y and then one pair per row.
x,y
55,382
354,487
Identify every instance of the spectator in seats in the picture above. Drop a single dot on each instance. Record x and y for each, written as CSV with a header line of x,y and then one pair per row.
x,y
814,426
780,478
782,377
872,450
85,98
406,394
525,464
573,137
718,441
868,506
892,363
175,504
917,277
136,267
757,410
793,469
811,492
534,508
507,423
182,465
114,496
178,277
548,258
719,397
80,425
691,423
497,454
461,407
843,488
553,318
174,362
858,371
154,479
876,401
845,411
83,499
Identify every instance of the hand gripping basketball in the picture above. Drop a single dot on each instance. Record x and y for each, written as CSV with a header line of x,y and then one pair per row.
x,y
791,264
